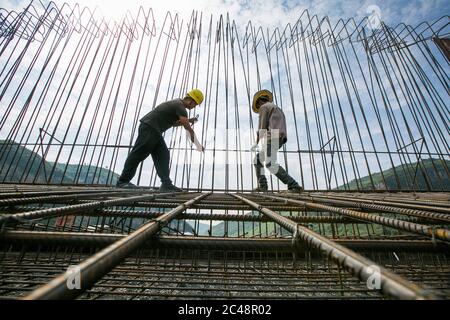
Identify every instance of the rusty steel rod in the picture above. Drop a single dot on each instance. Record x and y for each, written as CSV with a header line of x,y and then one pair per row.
x,y
36,193
222,216
387,206
95,267
65,198
205,216
415,198
434,233
210,243
391,284
71,209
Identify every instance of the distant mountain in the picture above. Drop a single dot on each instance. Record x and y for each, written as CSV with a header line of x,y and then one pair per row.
x,y
203,228
426,172
174,227
249,228
19,164
87,174
200,228
180,225
126,224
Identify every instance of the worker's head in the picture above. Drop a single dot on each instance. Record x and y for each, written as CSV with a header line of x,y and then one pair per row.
x,y
260,98
193,98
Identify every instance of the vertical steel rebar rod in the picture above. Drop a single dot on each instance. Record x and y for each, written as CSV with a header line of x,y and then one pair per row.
x,y
364,98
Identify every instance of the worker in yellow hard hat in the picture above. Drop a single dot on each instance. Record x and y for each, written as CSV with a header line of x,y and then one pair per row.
x,y
151,142
272,131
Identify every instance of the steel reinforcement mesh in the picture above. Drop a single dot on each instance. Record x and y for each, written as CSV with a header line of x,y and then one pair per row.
x,y
368,137
218,246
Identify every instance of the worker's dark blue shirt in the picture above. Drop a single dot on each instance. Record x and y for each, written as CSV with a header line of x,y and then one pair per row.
x,y
165,115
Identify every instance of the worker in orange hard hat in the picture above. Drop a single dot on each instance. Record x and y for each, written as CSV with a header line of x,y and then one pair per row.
x,y
151,142
272,131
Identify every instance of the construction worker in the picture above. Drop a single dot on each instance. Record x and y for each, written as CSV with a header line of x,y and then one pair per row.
x,y
151,142
272,132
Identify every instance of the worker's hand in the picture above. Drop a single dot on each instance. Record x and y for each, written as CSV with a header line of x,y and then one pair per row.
x,y
199,147
193,120
254,147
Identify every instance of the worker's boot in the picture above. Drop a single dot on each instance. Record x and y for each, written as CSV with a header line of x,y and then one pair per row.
x,y
292,185
262,185
169,187
260,177
295,189
126,185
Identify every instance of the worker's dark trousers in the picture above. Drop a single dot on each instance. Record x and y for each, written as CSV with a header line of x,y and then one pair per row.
x,y
148,142
269,156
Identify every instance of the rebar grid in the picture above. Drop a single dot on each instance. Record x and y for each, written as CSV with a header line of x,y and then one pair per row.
x,y
237,253
366,111
200,274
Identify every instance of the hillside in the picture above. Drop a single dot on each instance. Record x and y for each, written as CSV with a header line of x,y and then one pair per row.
x,y
405,174
26,165
249,228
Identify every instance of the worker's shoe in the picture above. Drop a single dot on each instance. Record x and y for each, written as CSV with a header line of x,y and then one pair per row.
x,y
126,185
295,188
262,184
292,185
261,189
165,187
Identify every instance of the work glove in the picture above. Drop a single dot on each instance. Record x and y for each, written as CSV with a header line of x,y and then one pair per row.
x,y
193,120
254,148
199,147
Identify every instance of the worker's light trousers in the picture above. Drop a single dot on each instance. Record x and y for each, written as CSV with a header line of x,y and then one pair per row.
x,y
268,155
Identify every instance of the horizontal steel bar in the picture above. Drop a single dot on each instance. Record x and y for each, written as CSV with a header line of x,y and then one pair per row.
x,y
434,233
230,190
388,206
71,209
304,151
204,216
211,243
440,199
307,151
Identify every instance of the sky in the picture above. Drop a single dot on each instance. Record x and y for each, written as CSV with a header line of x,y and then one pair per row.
x,y
268,14
271,12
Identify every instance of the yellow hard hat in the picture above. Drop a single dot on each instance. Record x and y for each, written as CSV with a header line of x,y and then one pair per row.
x,y
259,94
196,95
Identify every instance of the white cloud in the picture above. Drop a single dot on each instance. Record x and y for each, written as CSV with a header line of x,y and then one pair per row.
x,y
268,13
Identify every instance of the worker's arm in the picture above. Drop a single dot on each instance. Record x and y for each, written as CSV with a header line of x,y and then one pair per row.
x,y
187,125
191,121
263,122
